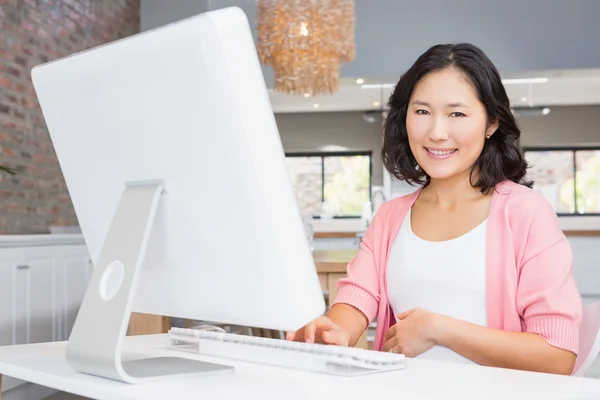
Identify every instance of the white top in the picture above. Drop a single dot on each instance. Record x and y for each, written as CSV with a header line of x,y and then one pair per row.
x,y
443,277
45,364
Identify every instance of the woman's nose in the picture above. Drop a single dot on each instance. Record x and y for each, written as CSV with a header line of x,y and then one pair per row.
x,y
439,131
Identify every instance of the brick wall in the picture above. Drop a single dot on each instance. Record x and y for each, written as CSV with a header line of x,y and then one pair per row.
x,y
32,32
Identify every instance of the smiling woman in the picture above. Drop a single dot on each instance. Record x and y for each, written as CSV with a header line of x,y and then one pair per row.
x,y
458,101
472,267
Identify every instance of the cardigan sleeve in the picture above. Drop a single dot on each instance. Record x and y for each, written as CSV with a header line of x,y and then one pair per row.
x,y
548,299
360,287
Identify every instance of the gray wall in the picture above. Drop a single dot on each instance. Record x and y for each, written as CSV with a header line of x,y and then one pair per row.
x,y
311,131
155,13
390,34
563,126
516,34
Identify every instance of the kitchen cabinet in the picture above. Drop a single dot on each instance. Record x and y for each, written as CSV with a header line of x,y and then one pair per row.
x,y
42,283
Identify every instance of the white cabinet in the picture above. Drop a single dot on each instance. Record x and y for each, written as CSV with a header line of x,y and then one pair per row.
x,y
74,273
34,293
41,289
8,270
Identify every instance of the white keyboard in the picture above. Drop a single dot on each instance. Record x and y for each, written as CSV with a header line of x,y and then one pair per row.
x,y
283,353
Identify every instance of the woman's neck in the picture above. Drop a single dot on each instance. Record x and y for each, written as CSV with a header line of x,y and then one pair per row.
x,y
449,192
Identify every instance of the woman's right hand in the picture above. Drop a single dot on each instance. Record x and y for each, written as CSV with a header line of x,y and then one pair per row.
x,y
321,330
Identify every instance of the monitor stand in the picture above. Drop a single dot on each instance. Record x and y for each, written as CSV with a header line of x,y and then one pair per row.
x,y
95,343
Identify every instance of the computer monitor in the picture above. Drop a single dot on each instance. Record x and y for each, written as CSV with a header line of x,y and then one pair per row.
x,y
174,164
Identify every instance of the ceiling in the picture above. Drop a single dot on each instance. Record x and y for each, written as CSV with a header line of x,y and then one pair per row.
x,y
561,88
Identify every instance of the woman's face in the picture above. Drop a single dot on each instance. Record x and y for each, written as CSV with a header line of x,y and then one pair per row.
x,y
446,123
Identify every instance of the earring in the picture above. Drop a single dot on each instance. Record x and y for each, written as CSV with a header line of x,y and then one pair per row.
x,y
488,136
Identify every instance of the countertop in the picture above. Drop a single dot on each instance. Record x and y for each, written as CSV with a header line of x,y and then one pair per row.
x,y
333,261
12,241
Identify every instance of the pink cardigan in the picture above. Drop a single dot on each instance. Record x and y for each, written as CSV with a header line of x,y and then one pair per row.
x,y
529,279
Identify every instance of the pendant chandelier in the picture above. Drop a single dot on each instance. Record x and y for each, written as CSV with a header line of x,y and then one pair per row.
x,y
306,42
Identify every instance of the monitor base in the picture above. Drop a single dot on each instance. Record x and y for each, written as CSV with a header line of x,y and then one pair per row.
x,y
95,343
166,367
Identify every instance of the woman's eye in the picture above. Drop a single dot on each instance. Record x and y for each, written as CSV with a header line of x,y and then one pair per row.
x,y
422,112
457,114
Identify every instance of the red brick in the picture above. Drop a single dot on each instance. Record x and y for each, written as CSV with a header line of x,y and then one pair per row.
x,y
62,32
43,33
27,103
16,47
20,60
70,25
80,8
19,87
28,26
13,71
42,158
28,182
27,51
12,207
5,82
33,32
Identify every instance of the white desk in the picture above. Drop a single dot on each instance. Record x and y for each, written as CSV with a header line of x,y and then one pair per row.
x,y
45,364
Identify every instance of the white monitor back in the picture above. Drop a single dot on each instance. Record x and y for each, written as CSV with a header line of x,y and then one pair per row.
x,y
187,104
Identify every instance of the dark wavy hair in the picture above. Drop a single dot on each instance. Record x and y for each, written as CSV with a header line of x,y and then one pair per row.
x,y
502,157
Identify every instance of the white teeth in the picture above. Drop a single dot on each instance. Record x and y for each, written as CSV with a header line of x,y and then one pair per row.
x,y
441,152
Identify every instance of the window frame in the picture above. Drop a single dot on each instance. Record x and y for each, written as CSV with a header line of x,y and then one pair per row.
x,y
574,150
323,155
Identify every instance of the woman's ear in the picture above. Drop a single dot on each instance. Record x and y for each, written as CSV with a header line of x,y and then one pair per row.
x,y
492,127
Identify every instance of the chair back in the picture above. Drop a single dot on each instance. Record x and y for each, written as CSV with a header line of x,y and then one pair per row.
x,y
589,338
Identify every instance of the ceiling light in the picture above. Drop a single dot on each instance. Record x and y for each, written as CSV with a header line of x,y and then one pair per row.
x,y
372,117
376,103
316,105
378,86
305,54
524,80
360,81
530,111
306,94
523,99
334,147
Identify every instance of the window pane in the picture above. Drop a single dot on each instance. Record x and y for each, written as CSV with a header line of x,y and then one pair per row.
x,y
347,182
552,173
588,181
306,178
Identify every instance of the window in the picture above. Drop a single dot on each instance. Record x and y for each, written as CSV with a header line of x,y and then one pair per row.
x,y
568,177
331,184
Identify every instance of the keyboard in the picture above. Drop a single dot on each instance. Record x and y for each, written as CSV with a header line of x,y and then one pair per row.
x,y
319,358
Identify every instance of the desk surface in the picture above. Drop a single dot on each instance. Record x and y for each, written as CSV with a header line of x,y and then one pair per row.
x,y
45,364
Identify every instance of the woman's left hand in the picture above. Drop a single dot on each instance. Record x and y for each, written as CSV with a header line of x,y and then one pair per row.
x,y
412,335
